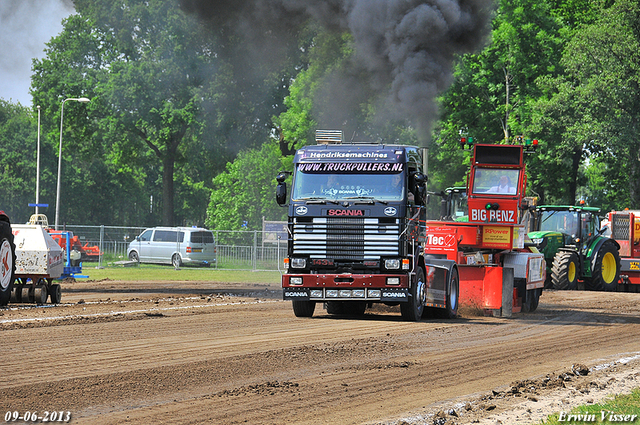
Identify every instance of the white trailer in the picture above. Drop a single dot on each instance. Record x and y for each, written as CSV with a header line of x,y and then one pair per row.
x,y
39,260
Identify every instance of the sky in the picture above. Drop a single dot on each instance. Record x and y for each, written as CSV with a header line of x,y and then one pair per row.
x,y
25,27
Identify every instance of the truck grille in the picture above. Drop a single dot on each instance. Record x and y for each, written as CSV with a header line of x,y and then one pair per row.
x,y
620,226
346,238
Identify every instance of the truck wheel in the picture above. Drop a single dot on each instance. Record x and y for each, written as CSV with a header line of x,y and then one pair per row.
x,y
7,264
564,271
452,295
531,300
606,272
303,308
412,310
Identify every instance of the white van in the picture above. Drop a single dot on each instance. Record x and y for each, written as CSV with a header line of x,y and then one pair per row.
x,y
174,245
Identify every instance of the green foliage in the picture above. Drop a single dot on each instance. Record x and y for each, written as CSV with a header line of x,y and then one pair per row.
x,y
624,404
18,146
592,110
169,107
245,192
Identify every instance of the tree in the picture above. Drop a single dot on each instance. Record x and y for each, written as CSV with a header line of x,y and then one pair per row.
x,y
18,138
595,106
494,92
245,192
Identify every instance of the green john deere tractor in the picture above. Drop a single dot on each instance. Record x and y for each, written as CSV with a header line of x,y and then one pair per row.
x,y
574,248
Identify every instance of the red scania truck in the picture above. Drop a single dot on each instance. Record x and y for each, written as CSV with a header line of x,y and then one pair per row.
x,y
358,235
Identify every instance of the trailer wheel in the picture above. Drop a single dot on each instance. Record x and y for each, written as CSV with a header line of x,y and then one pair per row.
x,y
7,264
412,310
606,272
55,292
303,308
564,271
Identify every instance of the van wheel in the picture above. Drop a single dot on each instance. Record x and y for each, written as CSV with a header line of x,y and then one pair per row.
x,y
176,260
133,256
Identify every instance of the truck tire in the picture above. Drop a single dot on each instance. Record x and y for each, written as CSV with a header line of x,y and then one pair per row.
x,y
7,263
564,271
531,300
606,270
412,310
303,308
453,289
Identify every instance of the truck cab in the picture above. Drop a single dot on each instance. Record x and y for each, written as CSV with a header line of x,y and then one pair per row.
x,y
354,217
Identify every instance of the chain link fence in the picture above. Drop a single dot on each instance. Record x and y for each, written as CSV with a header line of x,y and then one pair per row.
x,y
235,250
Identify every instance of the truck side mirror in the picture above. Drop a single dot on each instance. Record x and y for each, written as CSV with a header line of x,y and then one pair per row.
x,y
419,189
281,188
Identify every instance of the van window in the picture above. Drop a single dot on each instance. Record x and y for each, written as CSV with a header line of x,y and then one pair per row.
x,y
145,236
201,237
168,236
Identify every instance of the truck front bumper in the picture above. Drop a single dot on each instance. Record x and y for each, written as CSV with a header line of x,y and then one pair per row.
x,y
346,287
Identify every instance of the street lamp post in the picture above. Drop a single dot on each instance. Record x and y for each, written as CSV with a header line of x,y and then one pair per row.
x,y
38,166
77,99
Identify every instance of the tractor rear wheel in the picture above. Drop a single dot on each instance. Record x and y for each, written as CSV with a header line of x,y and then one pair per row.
x,y
564,271
606,271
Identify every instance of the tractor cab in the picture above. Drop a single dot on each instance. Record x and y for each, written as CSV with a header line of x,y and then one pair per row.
x,y
570,237
497,183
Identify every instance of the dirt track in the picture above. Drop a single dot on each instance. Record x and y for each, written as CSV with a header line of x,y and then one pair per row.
x,y
223,353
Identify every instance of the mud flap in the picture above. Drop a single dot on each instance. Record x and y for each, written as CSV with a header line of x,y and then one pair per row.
x,y
507,292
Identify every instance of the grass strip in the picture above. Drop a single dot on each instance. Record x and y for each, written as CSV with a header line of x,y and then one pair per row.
x,y
621,409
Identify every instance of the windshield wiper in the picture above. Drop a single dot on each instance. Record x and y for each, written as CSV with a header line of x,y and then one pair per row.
x,y
371,199
549,216
318,200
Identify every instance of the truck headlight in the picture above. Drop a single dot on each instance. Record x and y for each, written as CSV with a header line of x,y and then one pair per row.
x,y
298,263
295,280
392,264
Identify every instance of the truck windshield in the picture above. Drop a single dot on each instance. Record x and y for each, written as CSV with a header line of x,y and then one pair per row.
x,y
495,180
319,186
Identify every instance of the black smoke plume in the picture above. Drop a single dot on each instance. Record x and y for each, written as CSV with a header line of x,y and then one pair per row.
x,y
404,49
